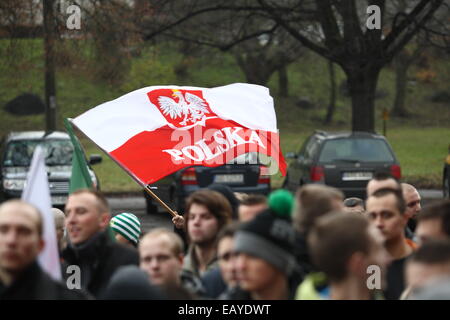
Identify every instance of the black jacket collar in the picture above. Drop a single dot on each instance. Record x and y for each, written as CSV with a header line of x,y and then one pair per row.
x,y
88,250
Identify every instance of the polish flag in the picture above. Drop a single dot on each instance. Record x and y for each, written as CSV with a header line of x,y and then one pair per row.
x,y
155,131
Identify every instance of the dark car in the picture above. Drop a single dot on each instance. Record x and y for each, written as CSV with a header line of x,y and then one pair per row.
x,y
446,176
247,174
346,161
16,153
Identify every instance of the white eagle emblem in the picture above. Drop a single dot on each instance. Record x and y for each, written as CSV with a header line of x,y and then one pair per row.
x,y
192,107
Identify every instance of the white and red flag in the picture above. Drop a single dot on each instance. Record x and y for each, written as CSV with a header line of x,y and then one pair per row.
x,y
155,131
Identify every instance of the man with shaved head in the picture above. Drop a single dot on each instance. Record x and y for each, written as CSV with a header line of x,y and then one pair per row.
x,y
381,180
21,241
89,244
413,206
60,220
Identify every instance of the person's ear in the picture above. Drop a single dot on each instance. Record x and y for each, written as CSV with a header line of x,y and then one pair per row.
x,y
405,217
181,258
408,215
41,245
356,264
104,220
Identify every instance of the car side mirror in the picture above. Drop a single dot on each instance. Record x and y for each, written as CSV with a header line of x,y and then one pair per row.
x,y
95,158
291,155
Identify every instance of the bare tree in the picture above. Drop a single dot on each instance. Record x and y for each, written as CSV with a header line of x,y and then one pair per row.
x,y
334,29
418,46
262,56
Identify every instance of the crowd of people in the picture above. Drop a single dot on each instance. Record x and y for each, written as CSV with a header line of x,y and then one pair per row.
x,y
314,244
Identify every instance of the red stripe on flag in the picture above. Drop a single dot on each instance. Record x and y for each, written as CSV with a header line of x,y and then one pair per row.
x,y
153,155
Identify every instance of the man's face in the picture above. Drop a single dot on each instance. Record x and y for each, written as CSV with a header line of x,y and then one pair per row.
x,y
255,274
121,239
247,213
83,217
430,229
375,185
383,213
159,261
20,242
202,225
59,226
412,199
227,261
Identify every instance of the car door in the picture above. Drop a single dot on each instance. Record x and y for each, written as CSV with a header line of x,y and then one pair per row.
x,y
303,162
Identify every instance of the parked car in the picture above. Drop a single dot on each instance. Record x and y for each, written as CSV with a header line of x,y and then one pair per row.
x,y
16,152
446,176
246,174
346,161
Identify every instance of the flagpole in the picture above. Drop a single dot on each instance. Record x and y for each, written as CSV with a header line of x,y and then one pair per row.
x,y
162,203
146,188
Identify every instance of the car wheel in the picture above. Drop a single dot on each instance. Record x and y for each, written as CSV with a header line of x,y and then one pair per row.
x,y
446,185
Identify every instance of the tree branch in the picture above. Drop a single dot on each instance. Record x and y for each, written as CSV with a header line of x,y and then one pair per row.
x,y
410,18
193,14
223,47
295,33
396,47
329,24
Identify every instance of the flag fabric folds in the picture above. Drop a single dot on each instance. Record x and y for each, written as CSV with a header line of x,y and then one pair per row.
x,y
37,193
155,131
80,177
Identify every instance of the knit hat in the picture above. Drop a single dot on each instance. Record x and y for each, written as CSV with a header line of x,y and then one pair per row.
x,y
270,235
127,225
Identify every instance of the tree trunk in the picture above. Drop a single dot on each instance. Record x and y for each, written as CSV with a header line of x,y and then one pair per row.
x,y
255,70
401,71
402,62
362,85
50,87
254,74
332,103
283,82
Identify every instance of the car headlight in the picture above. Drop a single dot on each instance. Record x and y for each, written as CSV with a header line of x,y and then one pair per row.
x,y
14,184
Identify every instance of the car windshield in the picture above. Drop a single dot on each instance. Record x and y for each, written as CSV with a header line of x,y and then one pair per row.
x,y
20,152
356,150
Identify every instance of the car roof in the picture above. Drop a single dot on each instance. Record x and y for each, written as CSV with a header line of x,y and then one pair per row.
x,y
36,135
346,134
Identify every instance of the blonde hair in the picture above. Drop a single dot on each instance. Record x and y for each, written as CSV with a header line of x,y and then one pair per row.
x,y
176,243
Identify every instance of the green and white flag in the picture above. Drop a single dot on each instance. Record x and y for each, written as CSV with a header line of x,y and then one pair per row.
x,y
80,177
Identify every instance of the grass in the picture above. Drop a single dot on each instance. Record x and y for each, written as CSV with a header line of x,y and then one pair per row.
x,y
420,142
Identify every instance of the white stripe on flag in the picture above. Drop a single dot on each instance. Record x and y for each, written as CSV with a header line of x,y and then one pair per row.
x,y
113,123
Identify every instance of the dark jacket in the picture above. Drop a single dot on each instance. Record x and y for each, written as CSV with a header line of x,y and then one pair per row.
x,y
213,283
395,279
302,255
35,284
98,258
